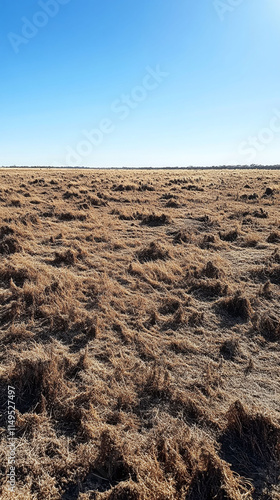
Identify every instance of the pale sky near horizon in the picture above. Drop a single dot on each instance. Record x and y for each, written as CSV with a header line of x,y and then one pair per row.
x,y
130,83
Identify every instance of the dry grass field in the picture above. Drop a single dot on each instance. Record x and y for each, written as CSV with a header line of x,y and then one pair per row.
x,y
140,327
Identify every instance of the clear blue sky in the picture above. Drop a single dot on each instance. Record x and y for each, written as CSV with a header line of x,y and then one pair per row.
x,y
75,71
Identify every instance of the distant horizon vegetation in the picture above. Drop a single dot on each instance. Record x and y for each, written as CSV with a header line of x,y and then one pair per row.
x,y
190,167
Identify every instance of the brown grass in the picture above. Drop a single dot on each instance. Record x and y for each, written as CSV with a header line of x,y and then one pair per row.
x,y
139,325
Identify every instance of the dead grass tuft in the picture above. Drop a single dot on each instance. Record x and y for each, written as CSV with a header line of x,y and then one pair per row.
x,y
274,237
229,348
68,258
182,236
231,235
170,306
209,480
269,327
10,245
250,442
237,306
156,220
154,251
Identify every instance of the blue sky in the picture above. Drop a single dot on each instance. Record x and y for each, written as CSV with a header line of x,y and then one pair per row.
x,y
139,83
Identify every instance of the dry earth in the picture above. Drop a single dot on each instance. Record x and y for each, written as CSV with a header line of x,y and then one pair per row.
x,y
139,325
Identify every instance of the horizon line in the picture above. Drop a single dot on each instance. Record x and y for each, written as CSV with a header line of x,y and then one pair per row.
x,y
190,167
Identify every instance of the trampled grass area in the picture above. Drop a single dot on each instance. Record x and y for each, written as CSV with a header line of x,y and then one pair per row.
x,y
140,327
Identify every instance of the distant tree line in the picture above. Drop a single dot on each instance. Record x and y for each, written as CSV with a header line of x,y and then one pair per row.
x,y
190,167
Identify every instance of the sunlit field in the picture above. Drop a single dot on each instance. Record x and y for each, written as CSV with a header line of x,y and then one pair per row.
x,y
140,329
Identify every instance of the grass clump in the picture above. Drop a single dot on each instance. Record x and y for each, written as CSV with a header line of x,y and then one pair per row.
x,y
156,220
250,442
237,306
154,251
268,326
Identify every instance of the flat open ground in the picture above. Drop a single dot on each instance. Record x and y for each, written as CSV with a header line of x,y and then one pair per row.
x,y
139,325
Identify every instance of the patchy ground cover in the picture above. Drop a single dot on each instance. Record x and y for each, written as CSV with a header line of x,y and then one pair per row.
x,y
140,327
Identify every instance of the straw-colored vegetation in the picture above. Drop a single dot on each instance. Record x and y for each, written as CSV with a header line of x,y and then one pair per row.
x,y
139,325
